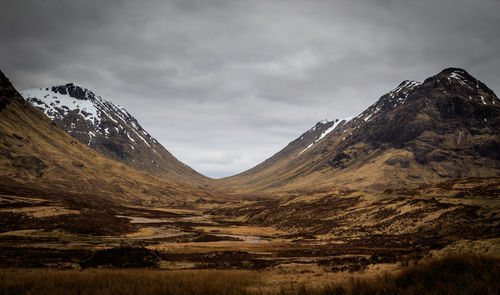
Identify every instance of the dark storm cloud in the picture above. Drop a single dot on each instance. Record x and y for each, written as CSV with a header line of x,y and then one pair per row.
x,y
225,84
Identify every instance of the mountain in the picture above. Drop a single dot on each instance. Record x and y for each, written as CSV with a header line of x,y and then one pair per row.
x,y
40,159
446,127
107,128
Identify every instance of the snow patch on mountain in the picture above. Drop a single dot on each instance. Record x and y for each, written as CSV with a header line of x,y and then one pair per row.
x,y
400,93
56,104
326,132
100,115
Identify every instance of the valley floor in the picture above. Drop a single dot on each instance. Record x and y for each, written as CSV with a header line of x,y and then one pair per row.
x,y
304,240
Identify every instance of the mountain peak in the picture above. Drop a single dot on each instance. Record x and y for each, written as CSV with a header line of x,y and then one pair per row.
x,y
459,83
451,70
105,127
456,75
75,91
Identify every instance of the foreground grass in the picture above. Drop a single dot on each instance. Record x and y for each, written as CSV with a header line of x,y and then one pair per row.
x,y
458,274
130,281
464,274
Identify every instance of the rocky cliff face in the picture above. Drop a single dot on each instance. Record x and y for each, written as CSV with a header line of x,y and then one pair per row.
x,y
107,128
421,132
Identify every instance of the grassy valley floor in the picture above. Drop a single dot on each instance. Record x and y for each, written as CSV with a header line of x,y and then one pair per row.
x,y
328,242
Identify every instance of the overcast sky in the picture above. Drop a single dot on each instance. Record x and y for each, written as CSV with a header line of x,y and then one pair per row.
x,y
223,85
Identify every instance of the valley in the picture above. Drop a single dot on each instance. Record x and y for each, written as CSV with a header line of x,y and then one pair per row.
x,y
411,181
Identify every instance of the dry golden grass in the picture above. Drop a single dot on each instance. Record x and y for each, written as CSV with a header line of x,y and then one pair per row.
x,y
248,244
242,230
451,274
42,211
206,247
134,281
174,210
459,274
39,233
484,247
152,232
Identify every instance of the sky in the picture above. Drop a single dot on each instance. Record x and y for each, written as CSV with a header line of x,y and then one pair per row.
x,y
224,85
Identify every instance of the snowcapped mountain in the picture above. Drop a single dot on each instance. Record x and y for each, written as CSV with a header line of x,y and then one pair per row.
x,y
42,160
97,115
419,133
107,128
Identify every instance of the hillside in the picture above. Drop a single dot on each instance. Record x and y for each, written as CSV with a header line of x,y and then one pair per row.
x,y
446,127
40,159
108,129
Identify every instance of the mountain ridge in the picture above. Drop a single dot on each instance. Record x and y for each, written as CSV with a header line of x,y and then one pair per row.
x,y
108,129
38,158
420,132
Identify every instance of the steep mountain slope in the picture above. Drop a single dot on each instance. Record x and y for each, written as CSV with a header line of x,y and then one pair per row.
x,y
446,127
40,159
107,128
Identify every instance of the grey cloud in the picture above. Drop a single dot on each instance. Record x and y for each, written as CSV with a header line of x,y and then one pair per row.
x,y
225,84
